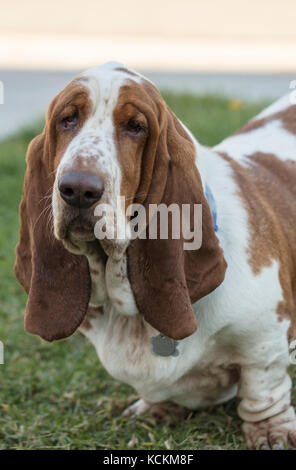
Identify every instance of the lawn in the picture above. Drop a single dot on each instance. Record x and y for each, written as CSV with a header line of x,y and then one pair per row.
x,y
58,396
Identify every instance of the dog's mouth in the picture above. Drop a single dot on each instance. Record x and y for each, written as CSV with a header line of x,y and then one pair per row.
x,y
78,228
81,229
73,224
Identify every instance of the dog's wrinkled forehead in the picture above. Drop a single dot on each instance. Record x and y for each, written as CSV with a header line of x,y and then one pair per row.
x,y
95,138
104,83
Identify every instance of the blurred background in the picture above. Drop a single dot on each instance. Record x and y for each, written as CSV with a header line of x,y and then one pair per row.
x,y
244,50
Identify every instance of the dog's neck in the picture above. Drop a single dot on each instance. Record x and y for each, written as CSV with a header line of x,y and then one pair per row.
x,y
214,171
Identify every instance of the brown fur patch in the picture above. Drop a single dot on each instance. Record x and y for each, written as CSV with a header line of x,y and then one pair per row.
x,y
75,97
267,187
131,104
287,116
57,282
94,272
124,70
253,125
92,312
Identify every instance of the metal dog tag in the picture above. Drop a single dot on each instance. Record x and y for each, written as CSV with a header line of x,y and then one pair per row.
x,y
164,346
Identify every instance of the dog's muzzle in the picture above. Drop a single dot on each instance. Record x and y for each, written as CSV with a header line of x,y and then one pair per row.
x,y
81,190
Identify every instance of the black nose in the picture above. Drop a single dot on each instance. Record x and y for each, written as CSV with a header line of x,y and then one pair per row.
x,y
80,189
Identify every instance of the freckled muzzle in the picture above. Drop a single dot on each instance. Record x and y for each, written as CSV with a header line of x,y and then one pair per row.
x,y
80,190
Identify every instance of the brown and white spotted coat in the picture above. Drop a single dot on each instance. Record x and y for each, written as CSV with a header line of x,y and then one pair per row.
x,y
230,304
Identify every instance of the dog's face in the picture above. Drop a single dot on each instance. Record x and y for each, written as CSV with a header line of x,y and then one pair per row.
x,y
110,140
101,121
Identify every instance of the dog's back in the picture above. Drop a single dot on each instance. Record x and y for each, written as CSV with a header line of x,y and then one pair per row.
x,y
262,156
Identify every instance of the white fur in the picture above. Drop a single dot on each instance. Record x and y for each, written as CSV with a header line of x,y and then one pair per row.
x,y
280,105
270,138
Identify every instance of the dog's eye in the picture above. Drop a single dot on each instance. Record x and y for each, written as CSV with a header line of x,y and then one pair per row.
x,y
134,127
69,122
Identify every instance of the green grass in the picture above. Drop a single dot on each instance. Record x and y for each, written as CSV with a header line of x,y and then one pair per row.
x,y
58,396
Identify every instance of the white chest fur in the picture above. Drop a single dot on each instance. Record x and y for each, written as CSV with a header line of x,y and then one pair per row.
x,y
190,379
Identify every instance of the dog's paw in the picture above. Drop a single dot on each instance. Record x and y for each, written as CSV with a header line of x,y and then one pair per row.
x,y
140,407
161,411
276,433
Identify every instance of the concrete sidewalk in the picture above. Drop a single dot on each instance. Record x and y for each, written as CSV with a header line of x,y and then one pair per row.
x,y
28,93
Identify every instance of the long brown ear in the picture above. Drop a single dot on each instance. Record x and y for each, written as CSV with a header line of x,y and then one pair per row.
x,y
57,282
165,279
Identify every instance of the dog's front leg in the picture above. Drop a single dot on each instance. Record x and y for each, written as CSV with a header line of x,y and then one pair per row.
x,y
269,418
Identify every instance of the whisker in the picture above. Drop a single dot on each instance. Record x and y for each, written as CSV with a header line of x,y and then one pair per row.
x,y
52,172
50,189
41,214
49,226
44,197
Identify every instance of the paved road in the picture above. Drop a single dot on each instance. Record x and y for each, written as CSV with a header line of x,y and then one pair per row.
x,y
27,93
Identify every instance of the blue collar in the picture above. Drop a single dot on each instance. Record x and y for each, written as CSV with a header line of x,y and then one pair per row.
x,y
211,201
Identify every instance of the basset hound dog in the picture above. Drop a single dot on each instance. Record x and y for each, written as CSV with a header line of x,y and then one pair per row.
x,y
225,311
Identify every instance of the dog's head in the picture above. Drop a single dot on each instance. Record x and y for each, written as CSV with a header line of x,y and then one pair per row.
x,y
110,139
